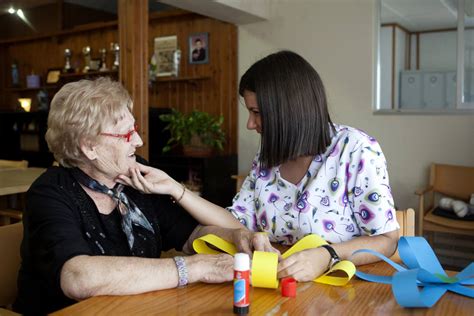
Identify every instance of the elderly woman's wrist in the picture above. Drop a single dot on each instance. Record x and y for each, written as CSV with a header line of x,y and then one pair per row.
x,y
194,268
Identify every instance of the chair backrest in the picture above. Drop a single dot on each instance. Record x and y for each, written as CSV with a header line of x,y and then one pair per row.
x,y
239,180
453,181
406,220
10,241
10,164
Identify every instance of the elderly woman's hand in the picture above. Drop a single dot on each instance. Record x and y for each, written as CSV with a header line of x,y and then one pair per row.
x,y
150,180
247,241
305,265
210,268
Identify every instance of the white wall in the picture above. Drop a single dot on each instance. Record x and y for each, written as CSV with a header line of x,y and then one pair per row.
x,y
400,57
438,51
337,38
413,52
386,67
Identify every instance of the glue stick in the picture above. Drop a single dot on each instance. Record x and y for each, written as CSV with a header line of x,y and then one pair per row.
x,y
241,283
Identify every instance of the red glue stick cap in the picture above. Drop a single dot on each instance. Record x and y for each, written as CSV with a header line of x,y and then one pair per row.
x,y
288,287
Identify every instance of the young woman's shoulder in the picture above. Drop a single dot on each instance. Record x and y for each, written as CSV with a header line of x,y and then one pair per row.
x,y
356,135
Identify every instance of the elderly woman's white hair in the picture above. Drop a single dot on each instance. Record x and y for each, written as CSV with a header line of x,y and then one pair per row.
x,y
79,112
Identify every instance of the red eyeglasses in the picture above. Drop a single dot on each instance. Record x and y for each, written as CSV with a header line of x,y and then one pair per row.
x,y
127,136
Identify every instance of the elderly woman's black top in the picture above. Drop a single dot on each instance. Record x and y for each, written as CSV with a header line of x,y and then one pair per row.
x,y
61,221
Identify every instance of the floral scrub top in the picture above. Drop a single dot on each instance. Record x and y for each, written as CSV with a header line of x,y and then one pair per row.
x,y
345,194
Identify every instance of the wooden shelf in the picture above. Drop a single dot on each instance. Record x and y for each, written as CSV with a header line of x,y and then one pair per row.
x,y
68,77
79,75
52,87
188,79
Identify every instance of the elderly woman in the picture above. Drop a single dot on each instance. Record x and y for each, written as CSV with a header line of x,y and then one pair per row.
x,y
85,234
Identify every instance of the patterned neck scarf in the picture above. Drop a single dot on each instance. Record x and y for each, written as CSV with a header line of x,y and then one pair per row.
x,y
130,212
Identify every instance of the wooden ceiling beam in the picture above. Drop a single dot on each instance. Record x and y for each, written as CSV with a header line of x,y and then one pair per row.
x,y
133,41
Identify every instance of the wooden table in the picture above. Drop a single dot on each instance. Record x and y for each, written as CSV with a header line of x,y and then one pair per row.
x,y
13,181
357,298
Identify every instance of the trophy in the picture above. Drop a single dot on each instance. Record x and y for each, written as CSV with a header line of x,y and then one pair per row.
x,y
67,56
103,59
114,47
176,61
86,51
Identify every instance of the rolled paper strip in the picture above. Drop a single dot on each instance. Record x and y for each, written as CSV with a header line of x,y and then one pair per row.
x,y
266,263
423,281
288,287
200,245
344,268
308,242
264,269
345,271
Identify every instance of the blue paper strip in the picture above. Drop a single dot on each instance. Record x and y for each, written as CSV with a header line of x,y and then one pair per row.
x,y
423,282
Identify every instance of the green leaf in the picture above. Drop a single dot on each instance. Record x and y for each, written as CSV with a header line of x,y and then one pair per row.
x,y
183,126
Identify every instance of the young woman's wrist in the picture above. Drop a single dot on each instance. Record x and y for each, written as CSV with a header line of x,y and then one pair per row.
x,y
177,191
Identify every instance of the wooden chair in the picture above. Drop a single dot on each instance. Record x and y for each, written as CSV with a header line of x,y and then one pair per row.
x,y
10,241
445,180
406,220
239,180
9,214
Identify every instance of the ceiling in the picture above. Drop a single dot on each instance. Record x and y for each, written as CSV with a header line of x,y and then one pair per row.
x,y
422,15
109,6
414,15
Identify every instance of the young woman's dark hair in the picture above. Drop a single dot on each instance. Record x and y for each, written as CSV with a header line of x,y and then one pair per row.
x,y
293,107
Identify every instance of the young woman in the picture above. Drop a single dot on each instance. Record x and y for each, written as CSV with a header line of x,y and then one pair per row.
x,y
310,176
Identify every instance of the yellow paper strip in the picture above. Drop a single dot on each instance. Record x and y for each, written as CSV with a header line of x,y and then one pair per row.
x,y
264,269
265,264
347,267
308,242
200,245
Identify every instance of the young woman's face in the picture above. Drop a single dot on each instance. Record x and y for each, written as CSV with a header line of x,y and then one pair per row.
x,y
254,122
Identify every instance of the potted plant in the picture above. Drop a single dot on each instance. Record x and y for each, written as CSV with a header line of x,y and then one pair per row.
x,y
198,132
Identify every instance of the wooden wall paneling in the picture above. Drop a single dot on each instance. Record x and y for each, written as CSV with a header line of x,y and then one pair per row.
x,y
43,19
218,93
96,40
60,14
133,41
229,95
74,15
214,90
52,51
233,88
3,76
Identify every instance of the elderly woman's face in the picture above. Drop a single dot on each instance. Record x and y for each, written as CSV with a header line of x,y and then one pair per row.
x,y
116,151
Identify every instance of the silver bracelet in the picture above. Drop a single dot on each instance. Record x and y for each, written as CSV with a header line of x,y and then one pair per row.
x,y
182,270
182,194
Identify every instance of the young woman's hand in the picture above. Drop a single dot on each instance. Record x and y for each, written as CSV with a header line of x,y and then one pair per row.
x,y
151,180
247,241
305,265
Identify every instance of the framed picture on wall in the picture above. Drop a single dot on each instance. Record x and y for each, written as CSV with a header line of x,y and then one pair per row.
x,y
199,48
53,75
164,49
